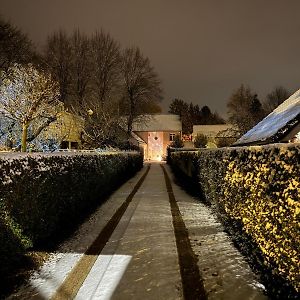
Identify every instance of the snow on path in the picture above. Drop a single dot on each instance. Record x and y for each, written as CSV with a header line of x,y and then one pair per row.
x,y
109,267
224,270
104,277
140,260
44,282
153,271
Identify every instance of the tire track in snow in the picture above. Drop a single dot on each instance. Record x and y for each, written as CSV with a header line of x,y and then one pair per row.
x,y
192,283
75,279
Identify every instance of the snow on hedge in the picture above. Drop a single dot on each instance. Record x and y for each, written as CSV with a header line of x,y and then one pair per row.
x,y
42,194
260,188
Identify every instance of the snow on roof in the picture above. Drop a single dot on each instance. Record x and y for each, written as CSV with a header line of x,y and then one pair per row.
x,y
210,130
137,138
158,122
277,121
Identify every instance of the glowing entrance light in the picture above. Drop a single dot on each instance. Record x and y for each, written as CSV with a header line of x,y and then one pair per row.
x,y
155,145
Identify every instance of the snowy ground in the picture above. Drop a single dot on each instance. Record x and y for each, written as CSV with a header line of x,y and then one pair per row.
x,y
224,270
46,281
140,260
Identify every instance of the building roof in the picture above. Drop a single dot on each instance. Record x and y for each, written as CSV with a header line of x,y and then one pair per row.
x,y
275,125
210,130
137,138
159,122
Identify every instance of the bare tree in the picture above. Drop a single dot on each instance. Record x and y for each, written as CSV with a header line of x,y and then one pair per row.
x,y
151,107
80,68
100,109
102,125
275,98
106,66
15,46
244,109
58,55
28,97
141,84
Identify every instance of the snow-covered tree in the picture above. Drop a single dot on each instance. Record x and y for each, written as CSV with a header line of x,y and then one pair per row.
x,y
29,98
9,133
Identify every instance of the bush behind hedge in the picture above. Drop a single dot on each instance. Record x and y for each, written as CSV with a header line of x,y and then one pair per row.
x,y
260,188
42,194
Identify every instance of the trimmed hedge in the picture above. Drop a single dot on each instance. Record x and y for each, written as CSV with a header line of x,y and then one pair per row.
x,y
40,195
260,188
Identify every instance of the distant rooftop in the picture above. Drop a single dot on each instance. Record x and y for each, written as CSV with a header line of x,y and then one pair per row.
x,y
210,130
277,124
159,122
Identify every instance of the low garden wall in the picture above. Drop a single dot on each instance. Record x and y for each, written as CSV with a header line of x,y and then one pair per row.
x,y
259,187
40,195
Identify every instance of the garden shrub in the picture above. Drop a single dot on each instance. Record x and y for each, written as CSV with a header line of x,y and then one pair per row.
x,y
40,194
200,140
177,142
259,187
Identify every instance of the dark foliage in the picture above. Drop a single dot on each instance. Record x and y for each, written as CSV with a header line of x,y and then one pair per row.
x,y
15,46
44,196
244,109
275,98
191,114
200,141
177,143
263,223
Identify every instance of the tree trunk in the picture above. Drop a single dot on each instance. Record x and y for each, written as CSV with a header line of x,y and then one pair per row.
x,y
131,116
129,125
24,137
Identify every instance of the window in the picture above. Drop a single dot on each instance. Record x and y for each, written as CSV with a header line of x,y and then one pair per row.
x,y
172,136
64,145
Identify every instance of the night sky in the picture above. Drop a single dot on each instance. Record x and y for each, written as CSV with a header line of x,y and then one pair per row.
x,y
202,50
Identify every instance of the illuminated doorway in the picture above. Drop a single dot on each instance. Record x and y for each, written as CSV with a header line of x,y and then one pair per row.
x,y
155,145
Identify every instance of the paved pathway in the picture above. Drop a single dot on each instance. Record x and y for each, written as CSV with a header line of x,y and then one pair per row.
x,y
143,248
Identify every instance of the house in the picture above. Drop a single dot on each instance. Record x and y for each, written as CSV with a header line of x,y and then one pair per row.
x,y
156,132
281,126
214,132
67,129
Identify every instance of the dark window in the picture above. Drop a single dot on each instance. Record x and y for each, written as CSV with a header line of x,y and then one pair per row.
x,y
172,136
64,145
74,145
